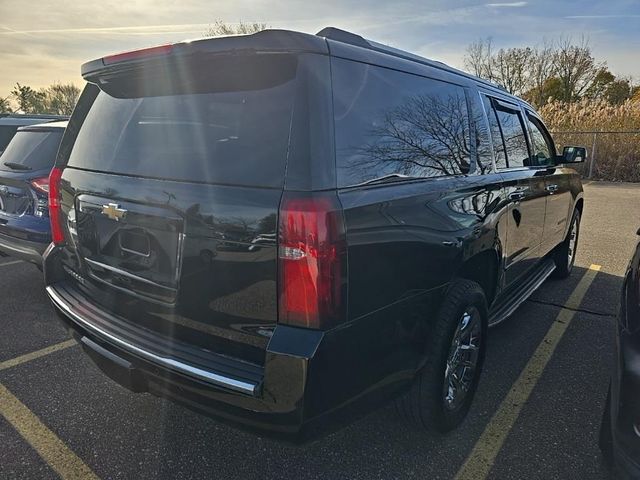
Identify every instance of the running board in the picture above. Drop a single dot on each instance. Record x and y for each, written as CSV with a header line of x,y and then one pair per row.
x,y
504,308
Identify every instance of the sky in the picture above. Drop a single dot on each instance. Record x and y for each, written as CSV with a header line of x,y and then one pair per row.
x,y
46,41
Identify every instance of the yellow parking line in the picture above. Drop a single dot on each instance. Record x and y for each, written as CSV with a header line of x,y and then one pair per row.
x,y
37,354
482,457
52,450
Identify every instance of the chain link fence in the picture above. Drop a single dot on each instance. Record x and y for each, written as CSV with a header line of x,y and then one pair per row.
x,y
612,155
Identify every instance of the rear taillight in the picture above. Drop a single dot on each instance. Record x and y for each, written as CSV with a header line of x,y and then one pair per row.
x,y
312,261
41,184
55,211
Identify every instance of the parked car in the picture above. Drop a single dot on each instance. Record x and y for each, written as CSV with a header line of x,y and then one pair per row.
x,y
25,165
10,122
402,207
620,431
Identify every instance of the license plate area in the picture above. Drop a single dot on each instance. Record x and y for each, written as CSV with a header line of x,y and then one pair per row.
x,y
139,251
135,242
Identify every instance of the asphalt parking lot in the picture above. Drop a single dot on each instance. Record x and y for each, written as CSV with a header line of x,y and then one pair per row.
x,y
61,414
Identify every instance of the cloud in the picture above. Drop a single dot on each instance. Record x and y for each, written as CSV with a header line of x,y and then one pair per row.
x,y
131,30
508,4
39,50
603,16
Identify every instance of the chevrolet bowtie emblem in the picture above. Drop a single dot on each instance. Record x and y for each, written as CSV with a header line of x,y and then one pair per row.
x,y
113,211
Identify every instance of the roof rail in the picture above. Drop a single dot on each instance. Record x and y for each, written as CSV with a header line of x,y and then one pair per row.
x,y
344,36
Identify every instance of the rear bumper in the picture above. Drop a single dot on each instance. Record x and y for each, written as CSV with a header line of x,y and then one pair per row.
x,y
310,383
247,378
23,249
269,399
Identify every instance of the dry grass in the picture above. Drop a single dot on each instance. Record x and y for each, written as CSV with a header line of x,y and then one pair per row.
x,y
617,155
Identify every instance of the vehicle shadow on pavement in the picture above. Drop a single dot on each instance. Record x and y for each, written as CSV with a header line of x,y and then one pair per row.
x,y
383,446
122,435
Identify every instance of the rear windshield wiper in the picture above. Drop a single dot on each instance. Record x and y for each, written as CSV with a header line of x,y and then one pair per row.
x,y
392,177
17,166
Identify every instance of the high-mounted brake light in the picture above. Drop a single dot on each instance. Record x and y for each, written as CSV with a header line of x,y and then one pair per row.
x,y
138,54
55,211
41,184
312,261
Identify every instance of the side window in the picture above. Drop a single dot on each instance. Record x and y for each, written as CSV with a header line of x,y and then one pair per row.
x,y
515,141
496,134
6,134
543,150
389,122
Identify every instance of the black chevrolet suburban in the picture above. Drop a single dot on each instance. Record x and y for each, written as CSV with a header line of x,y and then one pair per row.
x,y
283,229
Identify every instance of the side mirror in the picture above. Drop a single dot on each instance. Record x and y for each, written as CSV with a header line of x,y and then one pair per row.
x,y
572,155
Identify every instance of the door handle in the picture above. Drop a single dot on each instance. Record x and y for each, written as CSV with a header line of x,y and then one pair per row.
x,y
551,188
516,196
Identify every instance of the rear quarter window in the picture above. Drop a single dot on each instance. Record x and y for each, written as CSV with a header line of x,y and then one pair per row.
x,y
225,136
6,134
389,122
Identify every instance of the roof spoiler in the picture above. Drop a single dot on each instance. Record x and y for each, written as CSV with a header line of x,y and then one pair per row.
x,y
266,41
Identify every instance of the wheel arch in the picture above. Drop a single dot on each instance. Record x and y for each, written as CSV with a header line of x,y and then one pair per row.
x,y
482,268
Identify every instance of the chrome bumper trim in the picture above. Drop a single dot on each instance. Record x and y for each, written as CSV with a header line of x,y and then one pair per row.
x,y
169,363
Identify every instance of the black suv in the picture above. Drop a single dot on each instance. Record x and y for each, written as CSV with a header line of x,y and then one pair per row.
x,y
280,228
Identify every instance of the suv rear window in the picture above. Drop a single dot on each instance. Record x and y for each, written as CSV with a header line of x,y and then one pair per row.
x,y
33,149
237,134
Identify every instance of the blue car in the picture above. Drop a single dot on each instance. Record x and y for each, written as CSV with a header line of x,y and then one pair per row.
x,y
25,165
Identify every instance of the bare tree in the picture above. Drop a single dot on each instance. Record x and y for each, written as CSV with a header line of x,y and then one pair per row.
x,y
541,69
511,69
575,66
566,68
219,28
479,57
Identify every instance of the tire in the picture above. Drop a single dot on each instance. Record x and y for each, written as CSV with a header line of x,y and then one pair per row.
x,y
428,403
561,255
